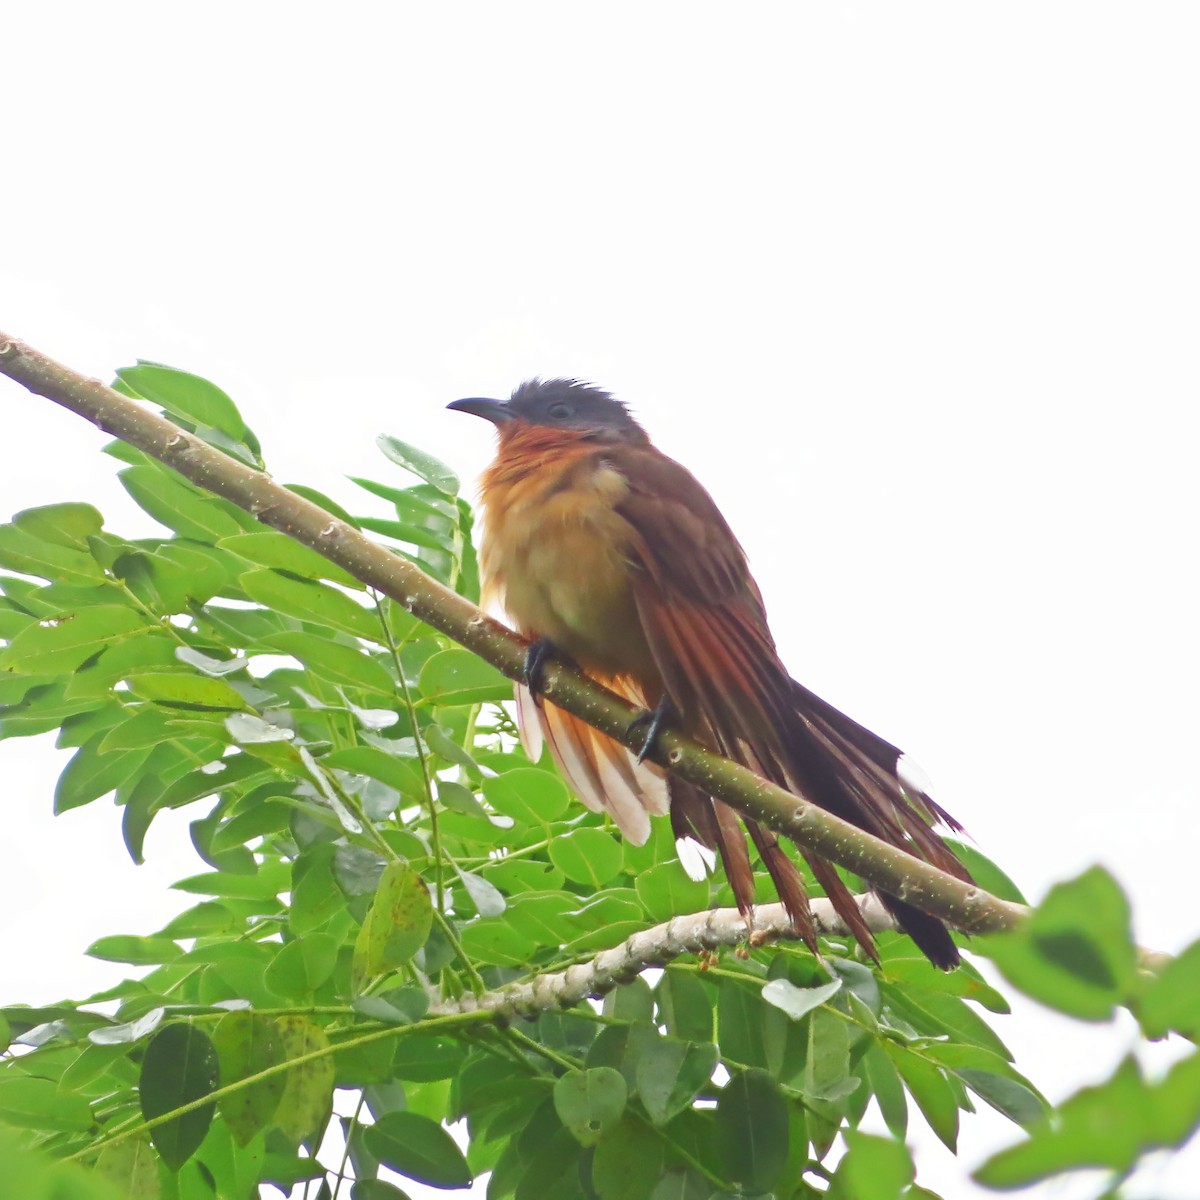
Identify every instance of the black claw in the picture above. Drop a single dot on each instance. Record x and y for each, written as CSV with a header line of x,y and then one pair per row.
x,y
537,655
654,722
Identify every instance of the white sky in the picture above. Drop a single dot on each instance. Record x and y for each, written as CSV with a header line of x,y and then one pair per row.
x,y
912,289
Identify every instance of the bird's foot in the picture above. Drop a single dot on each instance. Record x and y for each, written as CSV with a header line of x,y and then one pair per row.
x,y
537,655
650,724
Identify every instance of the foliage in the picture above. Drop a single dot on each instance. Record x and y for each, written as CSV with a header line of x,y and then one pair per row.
x,y
380,853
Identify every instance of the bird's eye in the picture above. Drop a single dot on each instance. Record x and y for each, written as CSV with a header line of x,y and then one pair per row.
x,y
560,411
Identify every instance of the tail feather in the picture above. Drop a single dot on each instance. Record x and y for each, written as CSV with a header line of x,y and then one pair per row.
x,y
930,935
843,901
788,884
869,746
603,773
868,768
788,734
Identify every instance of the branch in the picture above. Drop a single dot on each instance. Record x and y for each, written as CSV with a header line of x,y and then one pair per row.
x,y
962,905
656,947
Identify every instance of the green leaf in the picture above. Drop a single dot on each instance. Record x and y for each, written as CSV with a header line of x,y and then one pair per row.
x,y
631,1002
420,1149
827,1064
488,900
1075,953
516,876
396,924
940,1014
742,1018
270,879
31,554
13,620
317,603
137,950
248,1044
71,525
60,647
179,1067
628,1162
177,505
588,856
123,659
547,918
1099,1126
884,1083
196,400
459,799
302,966
1019,1102
590,1102
269,548
316,897
493,940
40,1104
90,774
929,1088
398,531
403,774
752,1130
667,891
873,1167
423,465
401,1006
307,1096
375,1189
202,920
147,726
130,1165
798,1002
691,1185
459,677
684,1006
429,1056
337,664
965,981
1109,1126
669,1075
551,1161
992,1077
1170,1002
985,872
217,775
178,688
528,795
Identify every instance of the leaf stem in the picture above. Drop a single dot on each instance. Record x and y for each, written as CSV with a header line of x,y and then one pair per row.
x,y
435,837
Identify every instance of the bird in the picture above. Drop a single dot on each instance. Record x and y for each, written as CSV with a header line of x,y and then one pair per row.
x,y
608,554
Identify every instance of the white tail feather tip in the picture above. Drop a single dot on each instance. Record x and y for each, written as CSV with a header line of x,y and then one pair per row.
x,y
912,778
697,860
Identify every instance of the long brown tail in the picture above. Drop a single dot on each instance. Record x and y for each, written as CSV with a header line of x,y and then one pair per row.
x,y
859,772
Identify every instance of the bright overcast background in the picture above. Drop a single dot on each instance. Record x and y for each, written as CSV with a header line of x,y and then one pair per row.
x,y
913,288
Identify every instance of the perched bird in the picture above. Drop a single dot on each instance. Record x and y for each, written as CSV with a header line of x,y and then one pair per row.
x,y
601,548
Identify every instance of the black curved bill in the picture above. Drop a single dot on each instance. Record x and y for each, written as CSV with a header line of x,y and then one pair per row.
x,y
496,411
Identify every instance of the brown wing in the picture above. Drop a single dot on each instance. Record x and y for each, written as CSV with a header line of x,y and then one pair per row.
x,y
704,620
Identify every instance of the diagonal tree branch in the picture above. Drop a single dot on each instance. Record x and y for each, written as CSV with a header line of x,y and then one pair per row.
x,y
962,905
